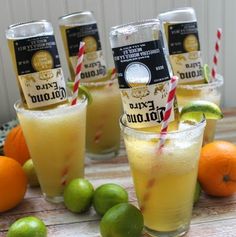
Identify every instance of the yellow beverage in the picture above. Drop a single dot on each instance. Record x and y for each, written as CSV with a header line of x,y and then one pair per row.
x,y
56,141
103,131
209,92
165,182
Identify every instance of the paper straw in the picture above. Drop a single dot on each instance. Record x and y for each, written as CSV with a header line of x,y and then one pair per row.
x,y
65,171
78,73
113,74
167,113
163,133
216,53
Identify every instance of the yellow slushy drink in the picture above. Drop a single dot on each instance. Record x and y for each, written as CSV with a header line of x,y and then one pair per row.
x,y
208,92
56,141
103,131
165,181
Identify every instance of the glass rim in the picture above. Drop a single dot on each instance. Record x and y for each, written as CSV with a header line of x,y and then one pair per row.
x,y
99,83
80,102
147,135
135,25
74,14
218,82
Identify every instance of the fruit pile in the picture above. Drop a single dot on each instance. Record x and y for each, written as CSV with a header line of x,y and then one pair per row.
x,y
110,201
216,177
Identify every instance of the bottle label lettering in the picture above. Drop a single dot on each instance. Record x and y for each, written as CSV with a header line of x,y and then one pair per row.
x,y
39,71
184,51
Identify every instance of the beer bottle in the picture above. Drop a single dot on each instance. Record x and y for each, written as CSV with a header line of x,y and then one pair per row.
x,y
181,39
82,26
36,63
143,74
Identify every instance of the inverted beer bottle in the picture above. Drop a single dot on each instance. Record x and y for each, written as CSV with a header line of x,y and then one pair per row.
x,y
82,26
143,74
181,39
36,63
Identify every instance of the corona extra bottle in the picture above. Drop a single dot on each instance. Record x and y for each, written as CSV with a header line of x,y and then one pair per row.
x,y
143,74
181,40
82,26
36,63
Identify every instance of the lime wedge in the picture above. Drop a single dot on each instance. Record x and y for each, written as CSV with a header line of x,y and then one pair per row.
x,y
195,109
82,91
206,73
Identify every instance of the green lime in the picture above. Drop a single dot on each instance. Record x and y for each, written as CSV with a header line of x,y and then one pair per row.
x,y
206,73
78,195
107,196
29,226
30,172
195,109
82,91
197,192
122,220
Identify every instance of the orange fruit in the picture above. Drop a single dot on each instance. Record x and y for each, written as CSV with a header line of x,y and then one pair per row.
x,y
15,145
13,183
217,168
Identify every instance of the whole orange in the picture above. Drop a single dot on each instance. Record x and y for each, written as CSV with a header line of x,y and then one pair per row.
x,y
15,145
217,168
13,183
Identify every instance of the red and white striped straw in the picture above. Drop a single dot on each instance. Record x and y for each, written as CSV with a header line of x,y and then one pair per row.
x,y
167,113
113,74
163,133
216,53
78,73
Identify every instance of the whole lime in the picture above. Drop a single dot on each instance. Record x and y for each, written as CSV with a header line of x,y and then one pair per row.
x,y
78,195
29,226
107,196
122,220
30,172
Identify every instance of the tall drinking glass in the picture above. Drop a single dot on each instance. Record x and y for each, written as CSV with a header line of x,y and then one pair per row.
x,y
56,141
165,181
208,92
103,132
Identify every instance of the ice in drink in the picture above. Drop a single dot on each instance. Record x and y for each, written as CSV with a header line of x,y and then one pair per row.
x,y
165,182
56,141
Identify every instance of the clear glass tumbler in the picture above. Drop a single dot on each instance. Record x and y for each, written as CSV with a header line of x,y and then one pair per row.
x,y
165,181
56,141
208,92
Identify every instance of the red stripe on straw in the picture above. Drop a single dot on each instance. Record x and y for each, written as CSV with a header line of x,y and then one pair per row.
x,y
216,53
163,133
78,73
168,109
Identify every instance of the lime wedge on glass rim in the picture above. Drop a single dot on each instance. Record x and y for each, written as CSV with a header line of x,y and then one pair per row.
x,y
194,110
82,91
206,73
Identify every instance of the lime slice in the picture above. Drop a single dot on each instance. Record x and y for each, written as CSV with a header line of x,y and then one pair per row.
x,y
82,91
206,73
194,110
